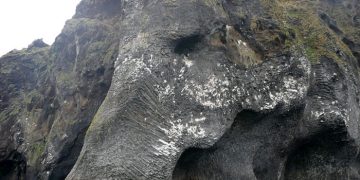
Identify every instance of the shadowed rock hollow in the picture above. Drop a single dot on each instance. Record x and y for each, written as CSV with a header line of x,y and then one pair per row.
x,y
187,89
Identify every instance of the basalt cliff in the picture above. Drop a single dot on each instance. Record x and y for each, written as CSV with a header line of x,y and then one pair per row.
x,y
187,90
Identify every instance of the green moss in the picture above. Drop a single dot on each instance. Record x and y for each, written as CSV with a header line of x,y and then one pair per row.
x,y
13,111
31,95
32,59
312,34
65,80
37,149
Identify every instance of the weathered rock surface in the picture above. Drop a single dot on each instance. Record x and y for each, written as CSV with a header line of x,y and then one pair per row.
x,y
184,89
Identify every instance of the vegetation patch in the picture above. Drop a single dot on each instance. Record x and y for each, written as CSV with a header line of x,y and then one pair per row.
x,y
312,35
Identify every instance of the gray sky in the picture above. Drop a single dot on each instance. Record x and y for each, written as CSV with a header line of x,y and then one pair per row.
x,y
23,21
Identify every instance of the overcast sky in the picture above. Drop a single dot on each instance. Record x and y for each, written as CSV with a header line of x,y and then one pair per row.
x,y
22,21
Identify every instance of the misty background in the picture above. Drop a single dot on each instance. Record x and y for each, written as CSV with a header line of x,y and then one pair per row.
x,y
24,21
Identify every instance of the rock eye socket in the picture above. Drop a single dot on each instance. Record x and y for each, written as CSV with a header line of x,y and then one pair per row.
x,y
188,44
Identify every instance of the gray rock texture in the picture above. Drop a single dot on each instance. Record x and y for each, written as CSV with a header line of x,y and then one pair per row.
x,y
187,89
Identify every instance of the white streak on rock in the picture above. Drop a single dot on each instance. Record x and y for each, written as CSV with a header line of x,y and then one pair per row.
x,y
214,93
200,119
188,63
166,148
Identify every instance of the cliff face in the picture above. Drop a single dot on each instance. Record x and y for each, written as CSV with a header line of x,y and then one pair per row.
x,y
184,89
50,95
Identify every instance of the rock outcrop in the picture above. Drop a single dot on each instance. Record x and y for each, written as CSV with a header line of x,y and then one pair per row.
x,y
184,89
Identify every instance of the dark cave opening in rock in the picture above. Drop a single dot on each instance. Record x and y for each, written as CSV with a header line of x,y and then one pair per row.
x,y
326,155
66,163
222,160
13,167
6,167
187,164
187,44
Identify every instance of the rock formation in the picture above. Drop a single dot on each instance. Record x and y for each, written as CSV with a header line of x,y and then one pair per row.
x,y
187,89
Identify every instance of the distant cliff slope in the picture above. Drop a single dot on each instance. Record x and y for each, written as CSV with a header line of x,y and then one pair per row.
x,y
187,89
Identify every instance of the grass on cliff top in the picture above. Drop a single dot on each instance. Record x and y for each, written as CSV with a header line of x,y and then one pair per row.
x,y
312,34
